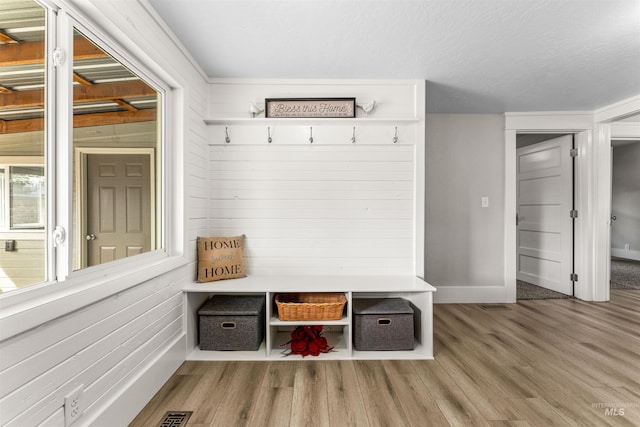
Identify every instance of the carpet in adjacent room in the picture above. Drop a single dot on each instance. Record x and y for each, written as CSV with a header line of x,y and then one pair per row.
x,y
525,290
625,273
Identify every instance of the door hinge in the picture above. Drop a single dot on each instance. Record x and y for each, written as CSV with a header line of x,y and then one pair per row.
x,y
58,57
573,277
573,213
573,152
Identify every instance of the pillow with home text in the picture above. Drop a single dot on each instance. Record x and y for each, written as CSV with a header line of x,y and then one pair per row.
x,y
220,258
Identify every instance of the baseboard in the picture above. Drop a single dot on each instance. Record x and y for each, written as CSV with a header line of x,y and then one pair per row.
x,y
470,294
621,253
124,408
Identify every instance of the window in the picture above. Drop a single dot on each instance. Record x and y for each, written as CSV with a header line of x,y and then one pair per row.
x,y
117,153
22,198
114,184
23,201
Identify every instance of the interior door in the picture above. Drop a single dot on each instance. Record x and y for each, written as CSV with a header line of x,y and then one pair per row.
x,y
545,225
118,206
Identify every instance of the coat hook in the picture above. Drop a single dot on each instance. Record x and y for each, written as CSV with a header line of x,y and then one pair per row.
x,y
226,132
269,139
353,138
311,134
395,138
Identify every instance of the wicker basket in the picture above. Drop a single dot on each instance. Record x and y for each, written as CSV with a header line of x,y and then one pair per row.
x,y
310,306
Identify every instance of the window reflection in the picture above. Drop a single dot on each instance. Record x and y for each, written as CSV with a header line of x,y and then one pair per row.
x,y
27,194
116,147
22,144
117,155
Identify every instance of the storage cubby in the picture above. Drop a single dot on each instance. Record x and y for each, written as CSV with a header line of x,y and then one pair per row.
x,y
339,333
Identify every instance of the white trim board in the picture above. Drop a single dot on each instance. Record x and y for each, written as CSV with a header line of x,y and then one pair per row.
x,y
619,110
621,253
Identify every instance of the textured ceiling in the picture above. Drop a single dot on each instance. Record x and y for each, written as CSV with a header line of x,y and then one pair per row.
x,y
482,56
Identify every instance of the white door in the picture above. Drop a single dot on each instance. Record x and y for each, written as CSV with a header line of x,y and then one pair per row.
x,y
545,226
119,213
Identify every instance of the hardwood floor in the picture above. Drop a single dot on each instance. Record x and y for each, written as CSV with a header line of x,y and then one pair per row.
x,y
538,363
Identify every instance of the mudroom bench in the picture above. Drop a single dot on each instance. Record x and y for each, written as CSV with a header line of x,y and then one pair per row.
x,y
339,333
326,205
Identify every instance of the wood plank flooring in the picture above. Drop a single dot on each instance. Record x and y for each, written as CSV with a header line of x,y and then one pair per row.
x,y
540,363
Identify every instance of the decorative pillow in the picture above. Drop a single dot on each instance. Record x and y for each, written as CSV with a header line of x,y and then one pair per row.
x,y
220,258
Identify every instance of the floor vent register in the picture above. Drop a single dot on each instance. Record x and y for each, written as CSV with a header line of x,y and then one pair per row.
x,y
175,419
493,307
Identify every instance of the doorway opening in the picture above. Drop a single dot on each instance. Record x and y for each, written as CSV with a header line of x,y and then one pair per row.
x,y
625,214
545,216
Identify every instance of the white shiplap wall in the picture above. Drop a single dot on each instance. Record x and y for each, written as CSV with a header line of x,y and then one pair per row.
x,y
118,335
331,207
101,346
316,209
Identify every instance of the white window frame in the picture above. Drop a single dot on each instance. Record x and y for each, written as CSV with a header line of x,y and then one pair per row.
x,y
93,283
7,163
65,152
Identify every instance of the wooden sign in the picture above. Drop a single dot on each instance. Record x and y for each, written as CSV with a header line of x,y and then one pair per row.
x,y
310,108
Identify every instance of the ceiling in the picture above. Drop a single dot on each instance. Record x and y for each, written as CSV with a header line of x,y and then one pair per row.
x,y
482,56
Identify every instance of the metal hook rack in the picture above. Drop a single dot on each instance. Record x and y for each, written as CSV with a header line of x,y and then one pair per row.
x,y
311,134
269,139
353,138
395,137
227,139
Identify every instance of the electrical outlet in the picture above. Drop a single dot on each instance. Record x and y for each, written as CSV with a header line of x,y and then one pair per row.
x,y
73,405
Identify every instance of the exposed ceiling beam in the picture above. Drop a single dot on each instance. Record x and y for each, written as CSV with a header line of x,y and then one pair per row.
x,y
81,120
79,79
115,118
84,82
6,38
125,105
33,52
98,92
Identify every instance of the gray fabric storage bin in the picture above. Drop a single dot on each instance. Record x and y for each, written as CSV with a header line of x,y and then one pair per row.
x,y
232,322
382,324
